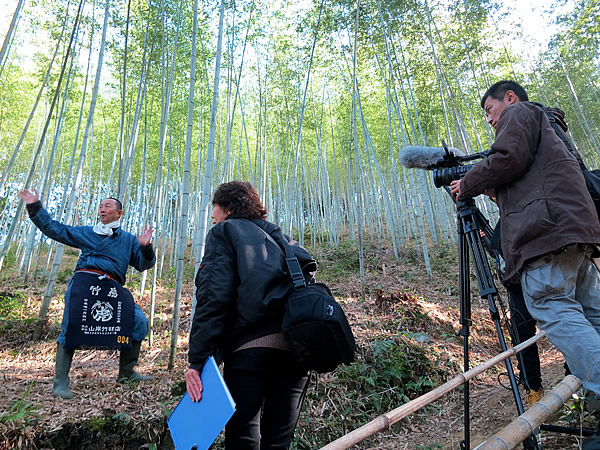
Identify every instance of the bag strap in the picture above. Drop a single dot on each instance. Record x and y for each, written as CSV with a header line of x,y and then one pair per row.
x,y
560,133
290,258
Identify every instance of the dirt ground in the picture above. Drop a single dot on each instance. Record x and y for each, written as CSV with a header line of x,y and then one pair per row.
x,y
32,418
493,407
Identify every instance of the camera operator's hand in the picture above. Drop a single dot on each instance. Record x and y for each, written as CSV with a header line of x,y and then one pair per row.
x,y
455,189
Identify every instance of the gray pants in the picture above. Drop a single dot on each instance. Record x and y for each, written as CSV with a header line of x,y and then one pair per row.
x,y
562,292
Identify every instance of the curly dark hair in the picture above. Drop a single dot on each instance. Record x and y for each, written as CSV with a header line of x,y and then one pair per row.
x,y
241,199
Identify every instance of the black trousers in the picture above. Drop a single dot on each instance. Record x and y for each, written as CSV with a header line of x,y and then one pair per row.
x,y
524,326
267,386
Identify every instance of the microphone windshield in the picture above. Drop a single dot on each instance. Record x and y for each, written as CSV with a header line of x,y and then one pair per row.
x,y
420,157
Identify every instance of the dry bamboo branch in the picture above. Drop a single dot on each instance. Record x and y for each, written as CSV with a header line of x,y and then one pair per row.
x,y
522,427
385,421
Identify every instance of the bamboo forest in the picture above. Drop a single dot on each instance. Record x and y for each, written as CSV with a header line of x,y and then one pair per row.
x,y
158,102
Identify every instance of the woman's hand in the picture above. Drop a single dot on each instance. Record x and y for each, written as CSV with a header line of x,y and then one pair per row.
x,y
194,384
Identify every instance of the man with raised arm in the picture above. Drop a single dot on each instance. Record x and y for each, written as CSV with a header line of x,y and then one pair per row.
x,y
99,312
549,226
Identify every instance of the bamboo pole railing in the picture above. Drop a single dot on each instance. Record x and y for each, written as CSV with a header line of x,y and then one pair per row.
x,y
385,421
524,425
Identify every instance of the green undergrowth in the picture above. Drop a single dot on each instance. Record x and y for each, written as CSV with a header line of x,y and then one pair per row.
x,y
336,262
12,305
16,319
387,373
404,353
20,410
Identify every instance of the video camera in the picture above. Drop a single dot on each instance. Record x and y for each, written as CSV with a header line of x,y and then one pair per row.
x,y
451,166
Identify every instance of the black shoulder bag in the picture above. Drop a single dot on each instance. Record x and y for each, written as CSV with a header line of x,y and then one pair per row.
x,y
314,324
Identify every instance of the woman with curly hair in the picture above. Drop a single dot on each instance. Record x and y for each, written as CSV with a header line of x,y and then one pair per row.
x,y
241,291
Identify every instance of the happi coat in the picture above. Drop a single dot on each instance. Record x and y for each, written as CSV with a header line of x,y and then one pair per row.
x,y
111,254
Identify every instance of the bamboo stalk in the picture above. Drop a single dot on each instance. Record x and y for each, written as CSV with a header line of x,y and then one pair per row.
x,y
522,427
210,155
385,421
71,203
9,35
185,193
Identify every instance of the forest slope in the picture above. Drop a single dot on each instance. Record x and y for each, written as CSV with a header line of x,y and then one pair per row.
x,y
405,327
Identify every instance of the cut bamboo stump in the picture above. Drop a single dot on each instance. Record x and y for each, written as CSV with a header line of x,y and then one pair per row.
x,y
524,425
385,421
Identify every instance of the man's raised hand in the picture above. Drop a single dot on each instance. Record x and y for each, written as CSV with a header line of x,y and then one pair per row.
x,y
29,196
146,237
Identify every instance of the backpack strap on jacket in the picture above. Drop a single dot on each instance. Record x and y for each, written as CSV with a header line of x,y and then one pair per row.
x,y
560,132
292,262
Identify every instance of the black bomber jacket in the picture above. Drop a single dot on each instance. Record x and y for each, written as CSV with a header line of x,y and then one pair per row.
x,y
241,288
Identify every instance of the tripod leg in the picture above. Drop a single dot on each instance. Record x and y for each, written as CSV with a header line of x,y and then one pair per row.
x,y
469,216
465,321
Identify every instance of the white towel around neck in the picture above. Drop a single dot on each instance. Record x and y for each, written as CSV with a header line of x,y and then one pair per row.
x,y
106,229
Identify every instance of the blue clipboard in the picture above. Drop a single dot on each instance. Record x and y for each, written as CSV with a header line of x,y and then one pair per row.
x,y
196,425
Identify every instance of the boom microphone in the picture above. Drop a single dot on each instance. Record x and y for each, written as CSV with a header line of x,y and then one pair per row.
x,y
420,157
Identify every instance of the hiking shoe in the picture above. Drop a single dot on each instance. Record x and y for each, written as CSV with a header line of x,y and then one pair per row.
x,y
534,396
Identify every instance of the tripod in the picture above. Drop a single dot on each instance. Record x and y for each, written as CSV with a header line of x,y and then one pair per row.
x,y
470,221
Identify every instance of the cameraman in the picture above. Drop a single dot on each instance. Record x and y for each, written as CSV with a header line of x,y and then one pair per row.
x,y
549,226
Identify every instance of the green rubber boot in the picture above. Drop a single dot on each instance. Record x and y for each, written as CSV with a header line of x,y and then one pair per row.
x,y
127,361
60,387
